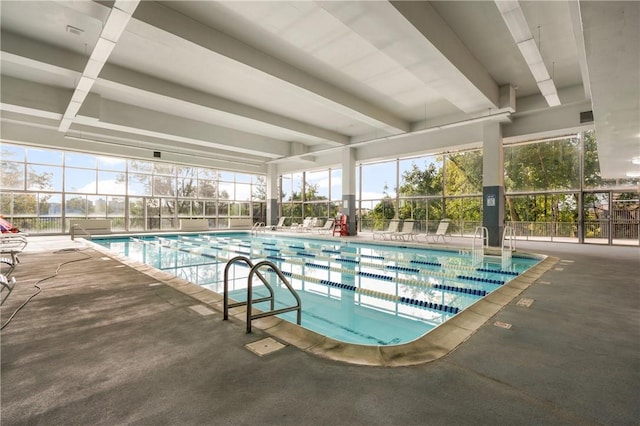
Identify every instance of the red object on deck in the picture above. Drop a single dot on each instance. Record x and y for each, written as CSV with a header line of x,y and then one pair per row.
x,y
342,226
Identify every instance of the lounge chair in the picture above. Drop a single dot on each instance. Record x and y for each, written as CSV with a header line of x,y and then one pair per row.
x,y
6,284
327,227
280,224
441,232
392,229
307,224
406,232
8,264
12,245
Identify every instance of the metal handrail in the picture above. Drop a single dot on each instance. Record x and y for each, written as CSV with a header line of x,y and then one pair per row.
x,y
477,252
257,226
508,245
509,235
73,230
226,304
250,316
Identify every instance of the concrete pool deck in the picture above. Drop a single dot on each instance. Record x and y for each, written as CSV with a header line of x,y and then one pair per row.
x,y
104,343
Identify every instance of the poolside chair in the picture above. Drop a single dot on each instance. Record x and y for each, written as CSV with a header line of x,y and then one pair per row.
x,y
12,245
326,228
280,224
406,232
10,265
393,228
307,224
6,284
441,232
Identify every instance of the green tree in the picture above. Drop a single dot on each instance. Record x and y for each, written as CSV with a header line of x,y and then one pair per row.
x,y
260,189
383,211
422,192
543,166
464,173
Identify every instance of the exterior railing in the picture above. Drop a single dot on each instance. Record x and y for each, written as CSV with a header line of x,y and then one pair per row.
x,y
605,231
626,232
57,225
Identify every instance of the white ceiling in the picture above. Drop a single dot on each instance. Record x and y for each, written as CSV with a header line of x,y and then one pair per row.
x,y
242,84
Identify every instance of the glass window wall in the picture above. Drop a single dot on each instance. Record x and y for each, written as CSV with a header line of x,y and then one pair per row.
x,y
42,189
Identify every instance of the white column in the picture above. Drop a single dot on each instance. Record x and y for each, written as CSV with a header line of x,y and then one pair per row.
x,y
349,187
272,194
493,182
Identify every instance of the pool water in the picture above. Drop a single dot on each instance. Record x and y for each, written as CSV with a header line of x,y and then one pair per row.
x,y
353,292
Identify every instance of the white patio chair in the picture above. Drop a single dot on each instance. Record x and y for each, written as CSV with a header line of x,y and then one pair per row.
x,y
441,233
406,232
393,228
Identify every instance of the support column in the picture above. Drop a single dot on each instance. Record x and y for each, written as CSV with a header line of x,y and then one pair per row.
x,y
272,194
493,182
349,188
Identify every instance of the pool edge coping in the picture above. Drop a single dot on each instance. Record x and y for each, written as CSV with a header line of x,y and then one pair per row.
x,y
434,345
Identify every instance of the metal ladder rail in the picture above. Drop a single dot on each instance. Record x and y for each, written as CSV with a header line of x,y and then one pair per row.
x,y
226,304
508,246
509,235
250,316
73,231
257,226
477,252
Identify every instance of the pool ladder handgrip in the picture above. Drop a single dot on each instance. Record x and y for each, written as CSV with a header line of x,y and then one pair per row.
x,y
226,304
296,307
250,300
75,227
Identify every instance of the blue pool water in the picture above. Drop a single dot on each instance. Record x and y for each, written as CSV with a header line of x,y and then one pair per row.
x,y
359,293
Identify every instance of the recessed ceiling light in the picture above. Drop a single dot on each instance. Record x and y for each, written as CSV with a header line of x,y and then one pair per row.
x,y
635,160
633,174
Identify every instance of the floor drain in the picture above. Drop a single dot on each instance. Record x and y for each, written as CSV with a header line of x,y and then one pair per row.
x,y
502,324
525,302
264,346
202,310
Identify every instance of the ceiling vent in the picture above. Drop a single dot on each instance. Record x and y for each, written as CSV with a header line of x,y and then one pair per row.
x,y
586,117
74,30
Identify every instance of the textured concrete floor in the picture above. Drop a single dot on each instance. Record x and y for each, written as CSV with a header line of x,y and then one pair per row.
x,y
104,344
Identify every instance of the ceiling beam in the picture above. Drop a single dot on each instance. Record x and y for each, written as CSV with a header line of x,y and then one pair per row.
x,y
111,31
578,33
15,131
170,21
122,78
455,73
45,101
516,22
52,59
131,119
612,37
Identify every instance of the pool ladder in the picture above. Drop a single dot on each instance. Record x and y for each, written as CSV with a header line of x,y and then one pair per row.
x,y
480,241
250,300
508,246
75,227
258,226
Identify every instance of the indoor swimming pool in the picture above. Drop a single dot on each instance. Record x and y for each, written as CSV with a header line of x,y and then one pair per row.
x,y
368,294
